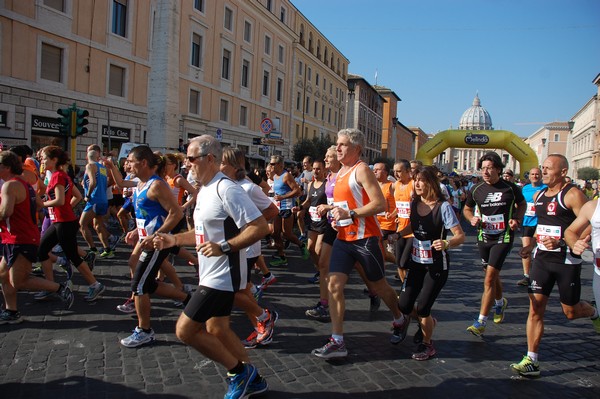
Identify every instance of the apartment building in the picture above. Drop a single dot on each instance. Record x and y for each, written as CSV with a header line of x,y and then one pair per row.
x,y
365,112
158,71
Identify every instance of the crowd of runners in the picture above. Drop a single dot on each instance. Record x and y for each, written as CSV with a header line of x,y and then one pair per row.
x,y
217,217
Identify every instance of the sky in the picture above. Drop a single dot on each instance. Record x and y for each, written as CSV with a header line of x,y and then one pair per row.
x,y
530,61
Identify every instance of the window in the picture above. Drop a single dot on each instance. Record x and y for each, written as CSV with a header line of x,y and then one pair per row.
x,y
51,65
247,32
194,107
199,5
224,111
300,68
556,137
317,79
245,72
307,107
267,45
56,4
228,22
243,115
281,54
119,18
116,81
309,74
270,5
196,50
226,62
279,89
322,112
282,15
298,99
265,88
316,107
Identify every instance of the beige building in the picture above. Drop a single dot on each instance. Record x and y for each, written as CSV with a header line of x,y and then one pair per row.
x,y
549,139
397,140
365,112
583,147
158,71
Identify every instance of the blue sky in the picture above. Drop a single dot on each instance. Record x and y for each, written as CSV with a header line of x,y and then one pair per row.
x,y
531,61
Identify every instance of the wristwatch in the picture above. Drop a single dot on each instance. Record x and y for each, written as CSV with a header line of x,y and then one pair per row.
x,y
225,248
352,215
562,243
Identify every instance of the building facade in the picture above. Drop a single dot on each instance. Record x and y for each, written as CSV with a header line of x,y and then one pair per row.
x,y
365,112
158,71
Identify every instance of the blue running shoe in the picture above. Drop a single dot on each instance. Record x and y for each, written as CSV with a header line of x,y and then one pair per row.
x,y
238,383
258,386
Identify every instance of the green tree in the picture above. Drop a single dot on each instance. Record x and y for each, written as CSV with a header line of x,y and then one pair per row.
x,y
588,173
315,148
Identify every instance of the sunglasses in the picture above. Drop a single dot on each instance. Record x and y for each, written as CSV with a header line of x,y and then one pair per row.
x,y
192,159
272,164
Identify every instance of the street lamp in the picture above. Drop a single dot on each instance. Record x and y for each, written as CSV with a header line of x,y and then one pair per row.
x,y
543,149
350,114
394,146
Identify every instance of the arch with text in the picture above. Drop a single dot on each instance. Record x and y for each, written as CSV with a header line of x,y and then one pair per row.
x,y
491,139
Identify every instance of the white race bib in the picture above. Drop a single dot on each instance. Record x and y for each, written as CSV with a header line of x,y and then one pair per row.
x,y
141,228
422,252
493,224
545,231
403,208
530,209
314,215
199,233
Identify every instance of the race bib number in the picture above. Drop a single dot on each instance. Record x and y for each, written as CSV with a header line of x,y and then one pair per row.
x,y
285,204
530,209
344,206
141,228
403,208
544,231
314,215
199,233
493,224
51,214
422,252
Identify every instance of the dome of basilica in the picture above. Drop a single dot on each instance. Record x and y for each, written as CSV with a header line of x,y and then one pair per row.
x,y
476,117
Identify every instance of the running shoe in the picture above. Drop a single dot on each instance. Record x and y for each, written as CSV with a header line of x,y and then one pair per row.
x,y
57,250
278,261
94,292
331,349
138,338
499,311
318,312
66,266
37,270
303,237
107,254
526,367
43,295
266,328
524,282
257,386
258,294
305,252
477,328
252,341
314,279
267,281
374,303
90,259
596,324
127,307
66,295
238,383
8,317
399,331
424,352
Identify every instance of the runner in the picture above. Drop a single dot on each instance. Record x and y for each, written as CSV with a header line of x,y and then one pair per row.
x,y
225,224
497,218
20,239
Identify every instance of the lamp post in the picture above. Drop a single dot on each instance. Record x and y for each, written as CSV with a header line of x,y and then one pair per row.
x,y
543,149
394,145
350,116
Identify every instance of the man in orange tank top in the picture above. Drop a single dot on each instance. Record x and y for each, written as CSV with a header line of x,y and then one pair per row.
x,y
357,200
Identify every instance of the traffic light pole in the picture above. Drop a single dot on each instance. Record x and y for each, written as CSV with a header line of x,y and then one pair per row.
x,y
73,136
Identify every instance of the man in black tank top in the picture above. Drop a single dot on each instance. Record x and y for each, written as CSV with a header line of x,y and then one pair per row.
x,y
553,263
490,206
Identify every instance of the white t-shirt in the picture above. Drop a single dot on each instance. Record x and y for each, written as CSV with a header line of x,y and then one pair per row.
x,y
220,216
262,202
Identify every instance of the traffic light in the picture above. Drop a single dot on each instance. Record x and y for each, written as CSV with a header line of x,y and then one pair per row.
x,y
65,121
81,121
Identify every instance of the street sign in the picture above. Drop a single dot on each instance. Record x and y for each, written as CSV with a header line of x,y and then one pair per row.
x,y
256,140
265,148
219,134
266,125
272,141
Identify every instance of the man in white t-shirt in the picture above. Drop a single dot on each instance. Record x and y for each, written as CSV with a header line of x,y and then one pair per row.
x,y
225,224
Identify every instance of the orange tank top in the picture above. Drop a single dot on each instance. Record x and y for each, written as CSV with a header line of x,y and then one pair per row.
x,y
390,205
348,194
177,191
402,196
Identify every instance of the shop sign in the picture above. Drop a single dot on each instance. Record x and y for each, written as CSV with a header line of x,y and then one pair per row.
x,y
119,133
45,124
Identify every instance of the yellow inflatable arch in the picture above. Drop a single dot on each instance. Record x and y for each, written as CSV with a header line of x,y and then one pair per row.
x,y
504,139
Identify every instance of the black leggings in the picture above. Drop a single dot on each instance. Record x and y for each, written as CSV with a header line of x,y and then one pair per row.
x,y
65,234
422,285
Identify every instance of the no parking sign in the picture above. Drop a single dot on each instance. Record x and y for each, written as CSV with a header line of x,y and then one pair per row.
x,y
266,125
